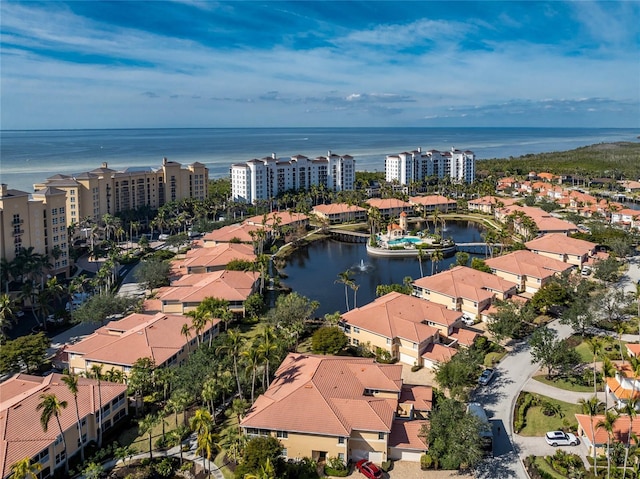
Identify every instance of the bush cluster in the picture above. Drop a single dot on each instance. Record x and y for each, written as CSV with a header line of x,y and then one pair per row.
x,y
525,401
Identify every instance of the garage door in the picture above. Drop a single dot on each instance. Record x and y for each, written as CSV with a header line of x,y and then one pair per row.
x,y
407,359
410,456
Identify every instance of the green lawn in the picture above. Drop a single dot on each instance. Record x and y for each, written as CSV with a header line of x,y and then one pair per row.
x,y
546,467
564,383
537,424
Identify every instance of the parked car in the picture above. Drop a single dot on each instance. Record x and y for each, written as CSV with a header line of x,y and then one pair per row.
x,y
468,320
486,376
561,438
368,469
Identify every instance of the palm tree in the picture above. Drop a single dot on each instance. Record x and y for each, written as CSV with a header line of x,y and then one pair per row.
x,y
198,322
267,347
206,445
237,409
592,407
209,394
421,257
145,426
186,332
51,406
178,403
595,346
24,469
607,423
436,257
95,372
266,471
233,346
6,313
71,380
252,356
345,278
355,287
608,371
630,410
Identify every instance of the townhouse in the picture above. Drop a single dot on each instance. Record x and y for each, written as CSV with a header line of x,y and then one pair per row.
x,y
573,251
626,217
464,289
544,222
187,292
406,327
340,213
22,436
215,257
354,408
117,345
528,270
430,203
390,207
236,233
599,440
624,385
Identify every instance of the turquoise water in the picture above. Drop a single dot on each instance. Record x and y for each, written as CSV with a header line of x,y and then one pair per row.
x,y
404,240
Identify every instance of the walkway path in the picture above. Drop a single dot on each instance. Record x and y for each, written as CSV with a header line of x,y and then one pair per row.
x,y
556,393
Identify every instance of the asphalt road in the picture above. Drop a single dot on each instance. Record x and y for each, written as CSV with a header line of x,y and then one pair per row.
x,y
498,399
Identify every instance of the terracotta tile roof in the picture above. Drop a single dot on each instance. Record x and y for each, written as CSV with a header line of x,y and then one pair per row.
x,y
286,218
439,353
397,315
527,263
137,336
21,434
337,208
420,396
619,392
229,285
387,203
228,233
620,428
465,282
406,435
626,370
466,337
332,390
432,200
633,348
218,256
559,243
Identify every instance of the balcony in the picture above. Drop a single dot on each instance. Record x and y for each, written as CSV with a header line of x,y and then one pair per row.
x,y
17,222
18,232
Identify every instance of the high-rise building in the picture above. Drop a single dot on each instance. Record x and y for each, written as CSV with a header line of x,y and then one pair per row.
x,y
36,219
407,167
261,179
104,190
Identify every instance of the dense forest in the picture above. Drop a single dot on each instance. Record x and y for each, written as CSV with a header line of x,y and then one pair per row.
x,y
612,160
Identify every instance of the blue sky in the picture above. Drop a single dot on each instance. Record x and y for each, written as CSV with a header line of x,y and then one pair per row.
x,y
87,64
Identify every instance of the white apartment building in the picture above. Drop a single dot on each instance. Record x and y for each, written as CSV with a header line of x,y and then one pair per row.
x,y
261,179
417,165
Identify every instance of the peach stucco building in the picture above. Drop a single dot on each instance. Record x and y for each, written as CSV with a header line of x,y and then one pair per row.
x,y
563,248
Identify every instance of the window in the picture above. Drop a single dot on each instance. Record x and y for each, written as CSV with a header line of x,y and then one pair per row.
x,y
282,434
356,329
388,341
60,457
355,342
58,440
341,456
381,436
341,440
284,452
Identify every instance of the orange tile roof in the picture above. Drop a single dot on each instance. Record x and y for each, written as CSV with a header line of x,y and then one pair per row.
x,y
194,288
228,233
527,263
387,203
432,200
21,434
139,336
285,217
332,390
633,348
397,315
465,282
420,396
619,392
466,337
337,208
439,353
219,255
559,243
620,428
406,435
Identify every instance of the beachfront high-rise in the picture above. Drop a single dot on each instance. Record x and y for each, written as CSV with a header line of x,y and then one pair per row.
x,y
417,165
261,179
104,190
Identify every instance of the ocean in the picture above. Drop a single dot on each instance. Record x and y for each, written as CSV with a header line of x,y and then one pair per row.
x,y
27,157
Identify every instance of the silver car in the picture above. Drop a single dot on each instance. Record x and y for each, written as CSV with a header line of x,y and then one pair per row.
x,y
561,438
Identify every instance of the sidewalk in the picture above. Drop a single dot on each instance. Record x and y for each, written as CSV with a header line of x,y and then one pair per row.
x,y
556,393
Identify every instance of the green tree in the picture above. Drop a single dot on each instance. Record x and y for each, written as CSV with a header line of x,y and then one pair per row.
x,y
480,265
153,273
511,320
460,373
233,345
346,278
550,352
462,258
329,340
25,469
51,406
254,305
551,294
592,407
141,379
145,426
256,453
453,435
607,270
95,372
71,381
7,314
93,470
103,306
29,350
607,423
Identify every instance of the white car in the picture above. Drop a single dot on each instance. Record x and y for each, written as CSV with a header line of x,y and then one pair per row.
x,y
486,376
561,438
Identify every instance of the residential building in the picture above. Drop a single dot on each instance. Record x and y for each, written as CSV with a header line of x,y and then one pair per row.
x,y
119,344
104,190
236,233
587,424
544,222
402,326
265,178
21,434
528,270
564,248
340,212
215,257
624,385
487,204
626,217
186,293
430,203
37,220
415,166
354,408
390,207
464,289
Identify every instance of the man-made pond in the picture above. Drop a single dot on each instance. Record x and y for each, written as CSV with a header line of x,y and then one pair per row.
x,y
313,271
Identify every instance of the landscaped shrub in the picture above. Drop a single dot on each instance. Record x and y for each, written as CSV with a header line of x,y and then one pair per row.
x,y
426,462
386,466
524,402
415,367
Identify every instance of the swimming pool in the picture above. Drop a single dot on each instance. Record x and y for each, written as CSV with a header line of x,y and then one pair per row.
x,y
408,239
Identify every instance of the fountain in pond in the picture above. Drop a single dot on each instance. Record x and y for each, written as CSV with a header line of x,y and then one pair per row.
x,y
363,267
